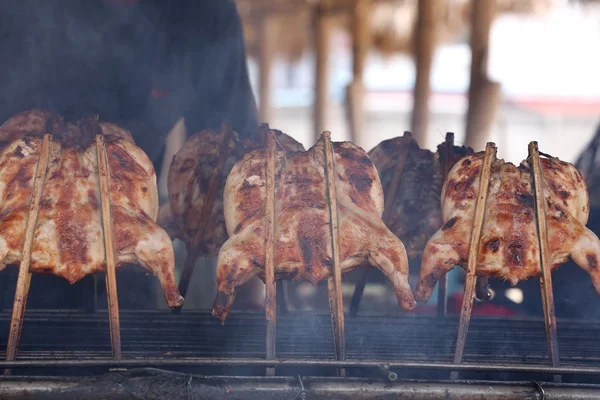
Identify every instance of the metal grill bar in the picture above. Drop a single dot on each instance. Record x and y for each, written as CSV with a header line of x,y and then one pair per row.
x,y
258,362
151,383
78,335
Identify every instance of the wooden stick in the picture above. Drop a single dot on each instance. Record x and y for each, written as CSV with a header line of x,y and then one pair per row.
x,y
111,278
270,287
334,283
193,250
442,306
546,278
387,211
467,303
24,278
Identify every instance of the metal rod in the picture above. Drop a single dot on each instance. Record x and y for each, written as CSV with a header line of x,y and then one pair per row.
x,y
270,286
442,306
24,277
546,278
334,283
111,277
467,303
193,249
259,362
144,383
387,211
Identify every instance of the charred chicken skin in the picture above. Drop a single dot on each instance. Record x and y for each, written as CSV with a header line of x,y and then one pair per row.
x,y
509,248
302,234
416,212
68,234
190,175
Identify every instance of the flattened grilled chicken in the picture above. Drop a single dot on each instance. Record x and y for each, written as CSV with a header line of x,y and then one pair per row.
x,y
416,211
68,235
38,122
190,174
509,249
302,236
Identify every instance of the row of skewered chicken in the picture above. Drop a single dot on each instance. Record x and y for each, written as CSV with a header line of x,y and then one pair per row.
x,y
217,205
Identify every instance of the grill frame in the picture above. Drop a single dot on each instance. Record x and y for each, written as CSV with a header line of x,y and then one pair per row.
x,y
194,341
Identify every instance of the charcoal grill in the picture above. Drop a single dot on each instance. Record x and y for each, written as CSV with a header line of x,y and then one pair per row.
x,y
386,355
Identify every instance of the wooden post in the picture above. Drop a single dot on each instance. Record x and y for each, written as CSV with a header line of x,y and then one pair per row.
x,y
545,265
24,277
334,283
109,249
265,61
484,95
270,287
425,43
360,47
321,37
467,303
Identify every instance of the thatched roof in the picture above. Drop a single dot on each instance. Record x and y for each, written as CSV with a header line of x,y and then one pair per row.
x,y
392,21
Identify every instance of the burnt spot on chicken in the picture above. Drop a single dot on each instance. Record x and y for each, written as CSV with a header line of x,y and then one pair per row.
x,y
592,261
19,152
250,218
492,245
525,199
450,223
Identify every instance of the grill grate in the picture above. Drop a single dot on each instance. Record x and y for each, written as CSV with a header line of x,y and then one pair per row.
x,y
77,335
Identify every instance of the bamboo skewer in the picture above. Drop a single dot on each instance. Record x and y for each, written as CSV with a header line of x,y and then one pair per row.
x,y
270,287
467,303
24,277
111,278
334,283
192,249
387,211
442,306
546,278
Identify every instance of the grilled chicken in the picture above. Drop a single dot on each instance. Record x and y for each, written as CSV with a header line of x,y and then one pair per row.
x,y
509,248
68,234
302,234
192,170
416,211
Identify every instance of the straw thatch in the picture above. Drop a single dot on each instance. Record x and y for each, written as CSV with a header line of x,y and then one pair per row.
x,y
392,21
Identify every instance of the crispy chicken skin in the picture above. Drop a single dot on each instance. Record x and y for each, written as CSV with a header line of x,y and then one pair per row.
x,y
509,249
302,234
190,175
68,234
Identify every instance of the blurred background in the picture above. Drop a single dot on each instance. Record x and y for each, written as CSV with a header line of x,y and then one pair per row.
x,y
368,70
